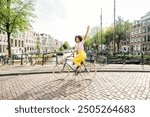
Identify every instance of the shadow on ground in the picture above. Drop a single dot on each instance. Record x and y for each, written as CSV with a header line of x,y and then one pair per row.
x,y
55,89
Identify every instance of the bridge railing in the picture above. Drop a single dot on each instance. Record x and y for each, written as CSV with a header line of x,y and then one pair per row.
x,y
39,58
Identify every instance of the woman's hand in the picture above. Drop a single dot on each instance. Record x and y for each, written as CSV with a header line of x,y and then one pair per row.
x,y
88,28
69,56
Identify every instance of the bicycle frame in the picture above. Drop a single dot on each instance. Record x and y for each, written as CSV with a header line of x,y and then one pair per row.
x,y
74,70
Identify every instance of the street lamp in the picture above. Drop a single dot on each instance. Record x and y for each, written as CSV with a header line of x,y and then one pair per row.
x,y
101,30
114,38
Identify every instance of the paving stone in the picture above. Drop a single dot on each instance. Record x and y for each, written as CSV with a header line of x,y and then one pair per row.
x,y
105,86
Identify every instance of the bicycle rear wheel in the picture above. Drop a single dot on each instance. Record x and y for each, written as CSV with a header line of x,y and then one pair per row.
x,y
32,61
61,72
101,60
9,61
25,61
1,62
88,70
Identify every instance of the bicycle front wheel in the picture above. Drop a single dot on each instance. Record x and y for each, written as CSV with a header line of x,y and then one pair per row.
x,y
2,62
61,72
88,70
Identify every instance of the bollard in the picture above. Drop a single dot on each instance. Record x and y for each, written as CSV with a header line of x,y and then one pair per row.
x,y
42,59
4,59
13,59
22,59
31,62
142,58
56,58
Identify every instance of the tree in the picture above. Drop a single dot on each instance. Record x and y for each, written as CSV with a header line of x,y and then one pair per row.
x,y
38,45
108,35
15,16
66,45
122,28
88,42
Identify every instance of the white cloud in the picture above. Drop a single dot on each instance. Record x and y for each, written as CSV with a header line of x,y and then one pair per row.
x,y
63,19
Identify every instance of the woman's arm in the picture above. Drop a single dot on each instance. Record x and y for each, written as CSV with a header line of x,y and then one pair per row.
x,y
85,36
71,53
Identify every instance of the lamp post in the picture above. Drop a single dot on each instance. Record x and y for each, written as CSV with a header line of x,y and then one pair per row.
x,y
114,37
101,30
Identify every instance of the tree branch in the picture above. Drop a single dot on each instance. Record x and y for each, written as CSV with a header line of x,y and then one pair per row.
x,y
20,11
2,29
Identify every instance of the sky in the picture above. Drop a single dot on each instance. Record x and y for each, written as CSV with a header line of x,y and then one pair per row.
x,y
63,19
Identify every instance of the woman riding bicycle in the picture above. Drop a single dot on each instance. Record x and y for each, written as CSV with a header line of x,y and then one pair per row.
x,y
79,48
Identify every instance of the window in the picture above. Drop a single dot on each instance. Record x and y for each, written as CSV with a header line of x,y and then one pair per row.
x,y
0,48
144,38
19,43
139,47
148,29
3,48
144,30
139,39
148,38
15,43
22,44
12,41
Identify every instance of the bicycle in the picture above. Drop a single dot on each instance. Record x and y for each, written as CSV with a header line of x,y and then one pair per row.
x,y
8,60
29,59
101,60
62,69
2,62
94,56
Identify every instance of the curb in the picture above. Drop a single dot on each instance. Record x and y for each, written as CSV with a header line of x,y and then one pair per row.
x,y
44,72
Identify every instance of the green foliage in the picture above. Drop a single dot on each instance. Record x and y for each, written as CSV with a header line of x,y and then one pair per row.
x,y
38,45
61,49
15,16
108,35
66,45
122,30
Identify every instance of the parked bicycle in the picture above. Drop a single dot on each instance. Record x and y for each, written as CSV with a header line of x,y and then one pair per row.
x,y
29,60
63,69
2,60
100,59
7,60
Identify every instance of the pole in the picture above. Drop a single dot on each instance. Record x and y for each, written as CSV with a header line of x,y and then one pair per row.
x,y
101,31
114,38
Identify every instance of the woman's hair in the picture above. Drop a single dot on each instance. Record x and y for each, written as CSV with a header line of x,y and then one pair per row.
x,y
79,37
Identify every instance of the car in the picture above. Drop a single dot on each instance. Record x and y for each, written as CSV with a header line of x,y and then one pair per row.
x,y
60,53
18,55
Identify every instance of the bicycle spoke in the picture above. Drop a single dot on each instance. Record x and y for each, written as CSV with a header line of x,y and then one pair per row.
x,y
60,72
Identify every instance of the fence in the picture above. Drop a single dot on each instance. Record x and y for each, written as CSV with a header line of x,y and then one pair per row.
x,y
38,58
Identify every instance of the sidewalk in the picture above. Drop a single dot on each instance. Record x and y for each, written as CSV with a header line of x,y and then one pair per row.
x,y
39,69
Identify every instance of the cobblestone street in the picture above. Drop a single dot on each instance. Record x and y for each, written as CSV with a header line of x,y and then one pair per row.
x,y
106,85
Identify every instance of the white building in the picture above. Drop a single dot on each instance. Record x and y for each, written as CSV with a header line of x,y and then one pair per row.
x,y
29,41
3,42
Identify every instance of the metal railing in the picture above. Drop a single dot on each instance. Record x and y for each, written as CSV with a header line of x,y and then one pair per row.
x,y
38,58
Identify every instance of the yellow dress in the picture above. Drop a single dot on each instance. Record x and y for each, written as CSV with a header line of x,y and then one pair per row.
x,y
81,56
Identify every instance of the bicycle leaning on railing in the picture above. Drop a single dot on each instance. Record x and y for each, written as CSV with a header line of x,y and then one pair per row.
x,y
2,62
97,57
6,60
62,69
29,59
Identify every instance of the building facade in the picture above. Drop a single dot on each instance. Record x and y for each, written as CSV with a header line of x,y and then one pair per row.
x,y
29,41
3,42
140,35
146,32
